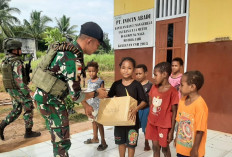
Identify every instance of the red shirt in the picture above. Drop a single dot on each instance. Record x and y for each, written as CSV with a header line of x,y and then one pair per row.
x,y
161,106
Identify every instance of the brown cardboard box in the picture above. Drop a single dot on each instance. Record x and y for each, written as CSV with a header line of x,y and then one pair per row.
x,y
115,111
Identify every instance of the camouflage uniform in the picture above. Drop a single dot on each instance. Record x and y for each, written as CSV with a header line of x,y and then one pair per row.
x,y
20,97
65,66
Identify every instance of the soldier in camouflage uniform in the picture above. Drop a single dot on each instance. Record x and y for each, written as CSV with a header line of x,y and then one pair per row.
x,y
19,91
66,67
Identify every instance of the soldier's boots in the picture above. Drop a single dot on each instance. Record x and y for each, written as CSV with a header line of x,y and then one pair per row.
x,y
29,133
2,127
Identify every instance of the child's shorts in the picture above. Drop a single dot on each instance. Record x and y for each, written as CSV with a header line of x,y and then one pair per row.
x,y
156,133
126,135
179,155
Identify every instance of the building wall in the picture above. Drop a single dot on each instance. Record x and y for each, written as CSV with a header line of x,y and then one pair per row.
x,y
141,55
130,6
214,61
210,22
209,19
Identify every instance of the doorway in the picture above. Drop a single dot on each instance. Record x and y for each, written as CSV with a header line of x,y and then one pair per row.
x,y
170,39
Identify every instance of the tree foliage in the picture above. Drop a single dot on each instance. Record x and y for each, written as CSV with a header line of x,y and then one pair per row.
x,y
7,20
37,25
63,24
53,35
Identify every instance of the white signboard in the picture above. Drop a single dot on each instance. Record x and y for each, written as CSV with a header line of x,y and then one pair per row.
x,y
134,30
28,46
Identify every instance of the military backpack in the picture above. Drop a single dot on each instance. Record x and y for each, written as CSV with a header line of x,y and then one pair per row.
x,y
45,79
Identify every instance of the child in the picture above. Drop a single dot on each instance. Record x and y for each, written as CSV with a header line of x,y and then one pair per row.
x,y
127,136
163,106
191,117
141,76
174,79
93,84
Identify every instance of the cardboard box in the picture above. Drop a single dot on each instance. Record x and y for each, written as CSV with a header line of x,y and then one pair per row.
x,y
115,111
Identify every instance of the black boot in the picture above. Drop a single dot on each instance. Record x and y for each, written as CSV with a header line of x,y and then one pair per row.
x,y
2,127
29,133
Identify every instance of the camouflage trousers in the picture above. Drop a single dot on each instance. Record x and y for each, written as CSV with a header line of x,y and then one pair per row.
x,y
57,122
17,110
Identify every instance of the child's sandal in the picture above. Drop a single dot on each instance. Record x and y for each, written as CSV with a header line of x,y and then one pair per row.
x,y
102,147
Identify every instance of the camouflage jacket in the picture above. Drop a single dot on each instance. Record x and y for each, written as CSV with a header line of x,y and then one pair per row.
x,y
22,93
65,66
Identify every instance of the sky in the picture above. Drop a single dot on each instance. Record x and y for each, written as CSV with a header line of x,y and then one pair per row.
x,y
79,11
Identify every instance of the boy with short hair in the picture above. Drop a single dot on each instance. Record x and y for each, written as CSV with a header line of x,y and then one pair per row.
x,y
163,106
192,116
141,76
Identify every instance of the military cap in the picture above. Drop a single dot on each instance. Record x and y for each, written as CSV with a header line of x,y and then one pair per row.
x,y
92,29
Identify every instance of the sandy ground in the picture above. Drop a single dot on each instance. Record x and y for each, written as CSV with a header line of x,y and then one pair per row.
x,y
14,133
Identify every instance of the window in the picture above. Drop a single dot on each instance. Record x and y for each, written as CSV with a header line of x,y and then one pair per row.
x,y
170,8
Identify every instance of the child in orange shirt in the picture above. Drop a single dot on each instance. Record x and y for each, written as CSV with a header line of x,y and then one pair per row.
x,y
163,100
191,117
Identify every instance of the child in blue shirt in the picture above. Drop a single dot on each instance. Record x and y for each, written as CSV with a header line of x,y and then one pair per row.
x,y
94,83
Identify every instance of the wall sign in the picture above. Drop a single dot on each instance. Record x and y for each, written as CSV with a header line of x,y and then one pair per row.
x,y
28,46
134,30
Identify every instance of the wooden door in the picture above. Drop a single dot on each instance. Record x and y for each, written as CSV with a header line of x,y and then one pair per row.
x,y
170,39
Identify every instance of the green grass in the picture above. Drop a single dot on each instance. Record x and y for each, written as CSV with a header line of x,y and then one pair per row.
x,y
5,110
105,61
78,117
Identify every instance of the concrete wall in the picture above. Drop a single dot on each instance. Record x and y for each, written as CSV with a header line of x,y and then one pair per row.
x,y
141,55
209,19
130,6
214,61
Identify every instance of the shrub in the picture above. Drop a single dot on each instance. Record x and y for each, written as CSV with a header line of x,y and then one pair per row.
x,y
40,54
105,61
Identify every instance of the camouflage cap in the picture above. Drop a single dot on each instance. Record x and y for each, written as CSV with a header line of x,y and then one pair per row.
x,y
11,44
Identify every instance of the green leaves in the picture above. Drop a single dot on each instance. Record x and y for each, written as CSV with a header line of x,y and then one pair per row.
x,y
53,35
63,24
7,20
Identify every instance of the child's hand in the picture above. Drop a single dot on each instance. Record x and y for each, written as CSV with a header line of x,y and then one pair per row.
x,y
170,136
194,152
88,109
174,142
102,93
132,114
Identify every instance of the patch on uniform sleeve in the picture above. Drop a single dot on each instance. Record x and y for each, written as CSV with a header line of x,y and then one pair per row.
x,y
132,137
78,70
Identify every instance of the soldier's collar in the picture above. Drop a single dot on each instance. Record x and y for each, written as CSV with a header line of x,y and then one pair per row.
x,y
77,45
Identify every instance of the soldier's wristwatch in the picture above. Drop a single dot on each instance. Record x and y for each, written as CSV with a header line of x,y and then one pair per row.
x,y
95,94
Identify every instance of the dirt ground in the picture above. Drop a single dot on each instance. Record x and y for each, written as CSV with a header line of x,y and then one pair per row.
x,y
14,133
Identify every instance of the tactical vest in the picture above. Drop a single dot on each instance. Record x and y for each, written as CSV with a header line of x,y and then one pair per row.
x,y
45,79
7,72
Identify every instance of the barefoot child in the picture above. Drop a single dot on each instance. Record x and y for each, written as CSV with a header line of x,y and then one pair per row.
x,y
163,106
93,84
141,76
127,136
191,117
175,77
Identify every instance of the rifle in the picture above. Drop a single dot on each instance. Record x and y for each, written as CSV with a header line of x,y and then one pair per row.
x,y
84,75
28,69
